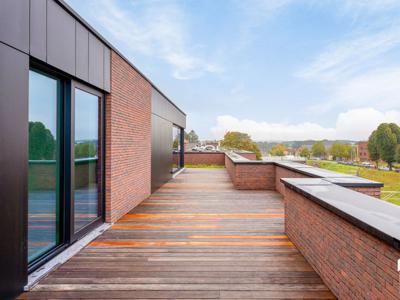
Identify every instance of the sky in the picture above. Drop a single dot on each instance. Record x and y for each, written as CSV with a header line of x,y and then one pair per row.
x,y
276,69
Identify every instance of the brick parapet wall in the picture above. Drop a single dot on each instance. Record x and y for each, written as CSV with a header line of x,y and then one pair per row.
x,y
251,176
205,158
248,155
370,191
128,139
353,263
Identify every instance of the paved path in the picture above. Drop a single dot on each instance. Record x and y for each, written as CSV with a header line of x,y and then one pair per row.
x,y
195,238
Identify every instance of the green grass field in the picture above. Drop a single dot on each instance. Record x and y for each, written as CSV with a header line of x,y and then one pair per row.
x,y
391,180
204,166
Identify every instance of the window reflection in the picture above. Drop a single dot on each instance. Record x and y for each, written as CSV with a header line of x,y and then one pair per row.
x,y
87,166
43,174
176,148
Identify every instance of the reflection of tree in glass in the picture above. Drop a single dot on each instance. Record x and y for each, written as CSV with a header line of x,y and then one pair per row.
x,y
175,145
85,150
42,144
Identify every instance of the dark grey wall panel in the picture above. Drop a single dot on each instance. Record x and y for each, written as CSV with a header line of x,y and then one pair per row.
x,y
14,68
60,38
38,45
14,23
96,61
162,107
107,69
82,52
161,151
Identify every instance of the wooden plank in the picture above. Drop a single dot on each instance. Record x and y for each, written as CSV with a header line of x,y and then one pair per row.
x,y
195,238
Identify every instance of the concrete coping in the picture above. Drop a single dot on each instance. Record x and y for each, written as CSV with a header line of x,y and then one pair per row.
x,y
379,218
341,179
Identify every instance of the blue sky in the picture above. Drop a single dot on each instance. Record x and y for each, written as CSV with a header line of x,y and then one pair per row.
x,y
276,69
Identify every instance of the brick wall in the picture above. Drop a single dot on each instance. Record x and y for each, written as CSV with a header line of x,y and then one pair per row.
x,y
251,176
353,264
285,173
128,139
250,155
205,158
370,191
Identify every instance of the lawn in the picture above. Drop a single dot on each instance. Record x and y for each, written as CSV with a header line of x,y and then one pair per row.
x,y
391,180
204,166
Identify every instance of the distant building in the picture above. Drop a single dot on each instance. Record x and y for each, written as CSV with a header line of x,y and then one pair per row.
x,y
362,153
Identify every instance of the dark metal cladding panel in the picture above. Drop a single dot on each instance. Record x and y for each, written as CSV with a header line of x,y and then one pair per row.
x,y
96,61
82,52
60,38
164,108
14,23
37,29
14,72
107,69
161,151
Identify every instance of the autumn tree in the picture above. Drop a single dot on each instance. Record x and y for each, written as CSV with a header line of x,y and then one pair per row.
x,y
305,152
235,140
278,150
318,149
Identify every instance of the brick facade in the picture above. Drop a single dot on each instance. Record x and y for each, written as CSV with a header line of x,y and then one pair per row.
x,y
353,263
205,158
128,139
251,176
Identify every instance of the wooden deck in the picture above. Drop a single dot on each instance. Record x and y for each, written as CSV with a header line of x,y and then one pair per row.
x,y
195,238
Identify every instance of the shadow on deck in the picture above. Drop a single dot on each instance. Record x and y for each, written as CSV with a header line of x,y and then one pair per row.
x,y
196,237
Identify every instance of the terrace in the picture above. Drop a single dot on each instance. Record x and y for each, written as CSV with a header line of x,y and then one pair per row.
x,y
254,230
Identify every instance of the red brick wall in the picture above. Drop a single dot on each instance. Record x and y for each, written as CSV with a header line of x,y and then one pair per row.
x,y
205,158
251,155
251,176
285,173
128,139
370,191
353,264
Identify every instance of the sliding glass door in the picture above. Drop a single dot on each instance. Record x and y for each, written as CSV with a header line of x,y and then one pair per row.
x,y
87,168
44,164
65,163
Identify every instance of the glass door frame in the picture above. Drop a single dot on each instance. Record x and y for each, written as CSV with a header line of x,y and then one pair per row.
x,y
101,197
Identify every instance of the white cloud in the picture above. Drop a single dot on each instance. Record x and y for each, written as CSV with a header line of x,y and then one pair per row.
x,y
356,124
159,29
378,88
344,58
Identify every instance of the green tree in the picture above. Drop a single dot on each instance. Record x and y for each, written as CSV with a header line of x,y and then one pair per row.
x,y
85,150
373,149
318,149
42,144
278,150
235,140
340,151
305,152
192,136
397,158
386,139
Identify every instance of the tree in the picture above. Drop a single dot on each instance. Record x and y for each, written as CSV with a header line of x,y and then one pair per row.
x,y
305,152
278,150
386,140
85,150
340,151
235,140
42,144
373,147
318,149
192,137
397,158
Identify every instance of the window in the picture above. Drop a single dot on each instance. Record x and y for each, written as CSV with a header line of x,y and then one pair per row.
x,y
44,164
65,185
87,167
176,148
